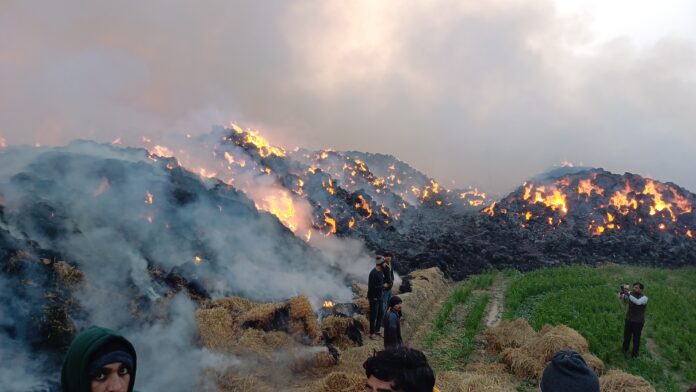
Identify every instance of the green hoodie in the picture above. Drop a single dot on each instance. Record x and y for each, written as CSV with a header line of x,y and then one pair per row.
x,y
74,375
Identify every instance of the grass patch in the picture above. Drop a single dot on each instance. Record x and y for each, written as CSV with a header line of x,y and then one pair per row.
x,y
585,299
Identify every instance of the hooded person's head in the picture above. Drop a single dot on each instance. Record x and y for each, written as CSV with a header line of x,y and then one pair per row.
x,y
568,372
99,360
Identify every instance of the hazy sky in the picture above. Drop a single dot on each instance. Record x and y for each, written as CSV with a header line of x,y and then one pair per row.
x,y
480,92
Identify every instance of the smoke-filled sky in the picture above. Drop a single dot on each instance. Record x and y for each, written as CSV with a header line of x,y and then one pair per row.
x,y
482,93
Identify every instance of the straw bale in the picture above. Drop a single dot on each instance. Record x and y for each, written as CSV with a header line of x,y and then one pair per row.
x,y
234,382
544,347
362,305
426,285
509,334
360,289
485,368
319,360
616,381
474,382
358,355
340,381
486,383
262,314
67,273
545,329
595,363
521,363
336,325
216,329
362,320
303,322
264,344
235,305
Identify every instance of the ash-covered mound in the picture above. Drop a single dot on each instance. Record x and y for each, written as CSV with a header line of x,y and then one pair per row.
x,y
566,215
93,234
589,216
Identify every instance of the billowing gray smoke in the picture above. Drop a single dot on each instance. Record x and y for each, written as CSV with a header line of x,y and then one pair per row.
x,y
146,236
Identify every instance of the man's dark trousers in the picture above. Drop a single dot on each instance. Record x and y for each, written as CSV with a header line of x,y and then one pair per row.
x,y
375,315
632,329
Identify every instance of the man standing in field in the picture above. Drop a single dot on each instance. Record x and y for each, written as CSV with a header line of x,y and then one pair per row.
x,y
635,316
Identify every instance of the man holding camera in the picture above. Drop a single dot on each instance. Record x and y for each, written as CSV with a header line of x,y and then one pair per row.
x,y
635,316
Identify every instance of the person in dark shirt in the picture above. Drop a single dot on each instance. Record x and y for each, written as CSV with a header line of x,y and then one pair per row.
x,y
388,281
392,324
375,288
635,316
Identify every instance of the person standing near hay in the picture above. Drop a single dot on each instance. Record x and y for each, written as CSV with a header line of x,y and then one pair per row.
x,y
388,281
392,324
375,288
99,360
399,369
635,316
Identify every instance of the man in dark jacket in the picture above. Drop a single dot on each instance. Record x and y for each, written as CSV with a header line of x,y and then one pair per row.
x,y
375,288
392,324
388,270
99,360
635,317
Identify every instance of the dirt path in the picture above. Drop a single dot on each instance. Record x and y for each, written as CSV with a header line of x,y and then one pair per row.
x,y
494,312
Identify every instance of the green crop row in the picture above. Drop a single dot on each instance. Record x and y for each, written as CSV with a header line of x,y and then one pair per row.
x,y
585,299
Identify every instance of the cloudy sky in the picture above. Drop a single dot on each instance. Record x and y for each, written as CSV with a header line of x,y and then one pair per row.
x,y
478,92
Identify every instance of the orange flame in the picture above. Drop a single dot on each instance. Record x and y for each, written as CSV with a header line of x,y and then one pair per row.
x,y
328,304
330,221
364,206
586,187
490,210
148,198
197,260
162,151
252,137
279,203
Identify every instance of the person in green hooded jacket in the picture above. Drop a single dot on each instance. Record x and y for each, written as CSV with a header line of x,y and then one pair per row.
x,y
99,360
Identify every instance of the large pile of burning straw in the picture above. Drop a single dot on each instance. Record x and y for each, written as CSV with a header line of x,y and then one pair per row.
x,y
133,238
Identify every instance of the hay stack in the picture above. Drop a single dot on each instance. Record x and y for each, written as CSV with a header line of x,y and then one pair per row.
x,y
426,285
521,363
216,329
360,289
234,382
340,381
362,305
303,322
557,338
474,382
235,305
509,334
617,381
595,363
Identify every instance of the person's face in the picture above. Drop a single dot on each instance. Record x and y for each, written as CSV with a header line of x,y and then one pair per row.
x,y
114,377
374,384
636,289
397,307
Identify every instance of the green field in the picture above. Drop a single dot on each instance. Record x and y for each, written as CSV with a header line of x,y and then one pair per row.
x,y
583,298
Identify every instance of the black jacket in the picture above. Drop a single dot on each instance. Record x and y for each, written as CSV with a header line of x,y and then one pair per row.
x,y
392,329
388,276
375,284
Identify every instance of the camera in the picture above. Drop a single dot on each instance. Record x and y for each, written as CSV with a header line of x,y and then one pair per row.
x,y
624,289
